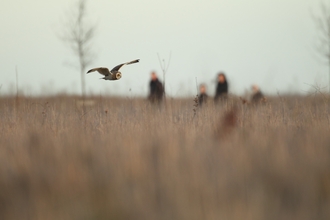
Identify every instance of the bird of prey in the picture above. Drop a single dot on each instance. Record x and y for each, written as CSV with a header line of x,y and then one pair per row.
x,y
113,74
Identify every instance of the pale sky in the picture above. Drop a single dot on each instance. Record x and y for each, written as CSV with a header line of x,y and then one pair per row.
x,y
264,42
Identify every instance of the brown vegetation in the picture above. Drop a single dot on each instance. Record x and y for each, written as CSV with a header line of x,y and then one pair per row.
x,y
227,124
126,159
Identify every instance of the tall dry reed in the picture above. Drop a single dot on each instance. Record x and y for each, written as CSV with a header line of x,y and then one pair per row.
x,y
125,159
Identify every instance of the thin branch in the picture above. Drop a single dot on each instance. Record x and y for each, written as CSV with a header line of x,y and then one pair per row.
x,y
169,61
322,23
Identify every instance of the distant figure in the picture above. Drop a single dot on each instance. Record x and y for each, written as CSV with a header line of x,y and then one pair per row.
x,y
156,89
202,97
222,88
257,94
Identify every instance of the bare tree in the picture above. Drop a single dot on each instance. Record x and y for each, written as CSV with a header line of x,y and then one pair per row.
x,y
164,68
322,23
78,35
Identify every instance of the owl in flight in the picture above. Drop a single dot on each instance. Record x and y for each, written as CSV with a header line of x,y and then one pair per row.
x,y
113,74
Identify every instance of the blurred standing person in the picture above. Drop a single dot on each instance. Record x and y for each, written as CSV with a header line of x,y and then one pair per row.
x,y
202,98
222,88
257,94
156,89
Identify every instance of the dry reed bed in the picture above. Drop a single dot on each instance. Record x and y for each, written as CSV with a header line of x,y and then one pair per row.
x,y
125,159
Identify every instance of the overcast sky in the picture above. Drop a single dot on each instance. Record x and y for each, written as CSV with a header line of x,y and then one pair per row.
x,y
264,42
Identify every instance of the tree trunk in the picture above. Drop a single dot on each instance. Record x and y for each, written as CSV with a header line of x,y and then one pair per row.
x,y
83,84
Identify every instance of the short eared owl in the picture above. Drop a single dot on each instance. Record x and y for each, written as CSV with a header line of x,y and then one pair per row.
x,y
114,74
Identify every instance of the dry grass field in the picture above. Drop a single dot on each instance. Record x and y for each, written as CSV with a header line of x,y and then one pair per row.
x,y
124,159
